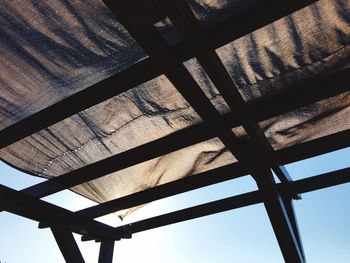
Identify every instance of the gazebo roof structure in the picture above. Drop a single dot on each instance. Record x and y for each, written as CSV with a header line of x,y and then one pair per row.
x,y
128,102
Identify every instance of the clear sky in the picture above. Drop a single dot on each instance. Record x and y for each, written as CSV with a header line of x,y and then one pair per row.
x,y
241,235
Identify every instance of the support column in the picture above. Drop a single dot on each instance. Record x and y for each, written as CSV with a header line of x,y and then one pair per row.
x,y
106,251
282,218
67,244
288,204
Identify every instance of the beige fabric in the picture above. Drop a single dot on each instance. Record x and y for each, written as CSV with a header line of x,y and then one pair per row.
x,y
52,49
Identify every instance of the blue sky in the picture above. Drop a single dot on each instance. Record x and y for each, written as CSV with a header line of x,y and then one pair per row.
x,y
241,235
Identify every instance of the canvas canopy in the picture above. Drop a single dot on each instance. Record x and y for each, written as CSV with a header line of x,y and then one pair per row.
x,y
51,50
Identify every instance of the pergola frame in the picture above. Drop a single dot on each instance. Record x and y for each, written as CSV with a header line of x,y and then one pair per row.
x,y
165,59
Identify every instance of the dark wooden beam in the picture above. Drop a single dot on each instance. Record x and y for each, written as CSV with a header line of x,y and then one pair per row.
x,y
41,211
315,147
280,217
322,181
67,244
106,251
214,207
289,209
301,94
240,24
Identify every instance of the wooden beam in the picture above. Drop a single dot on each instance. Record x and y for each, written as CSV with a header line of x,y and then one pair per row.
x,y
41,211
67,244
106,251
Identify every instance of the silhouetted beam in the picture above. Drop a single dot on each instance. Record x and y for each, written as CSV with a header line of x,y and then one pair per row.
x,y
143,71
322,181
67,244
38,210
263,109
106,252
303,186
315,147
280,219
289,207
214,207
264,13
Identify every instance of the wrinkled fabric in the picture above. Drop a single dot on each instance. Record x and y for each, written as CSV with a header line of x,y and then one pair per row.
x,y
53,49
